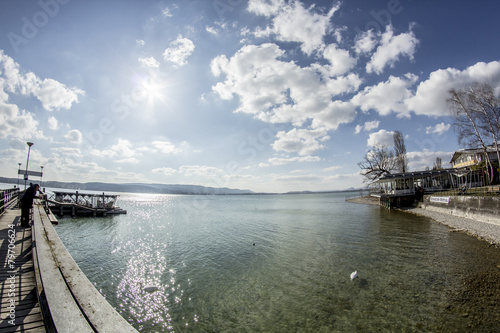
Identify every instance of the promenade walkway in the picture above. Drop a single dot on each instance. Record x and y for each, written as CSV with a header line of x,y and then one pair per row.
x,y
20,311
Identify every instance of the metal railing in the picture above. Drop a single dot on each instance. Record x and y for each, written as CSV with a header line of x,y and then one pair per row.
x,y
471,191
7,197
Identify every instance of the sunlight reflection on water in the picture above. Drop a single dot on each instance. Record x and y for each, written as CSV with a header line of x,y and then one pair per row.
x,y
274,263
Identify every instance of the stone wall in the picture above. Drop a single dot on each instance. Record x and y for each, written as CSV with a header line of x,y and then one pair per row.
x,y
480,208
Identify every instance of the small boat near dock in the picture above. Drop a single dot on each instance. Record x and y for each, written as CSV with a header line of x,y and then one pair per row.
x,y
83,204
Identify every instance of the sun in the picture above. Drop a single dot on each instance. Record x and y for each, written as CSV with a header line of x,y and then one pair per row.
x,y
152,90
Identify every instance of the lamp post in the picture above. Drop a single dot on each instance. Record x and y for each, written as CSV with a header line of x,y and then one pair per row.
x,y
27,162
41,176
18,173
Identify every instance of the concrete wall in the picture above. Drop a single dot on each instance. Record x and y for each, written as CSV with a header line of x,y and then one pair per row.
x,y
484,209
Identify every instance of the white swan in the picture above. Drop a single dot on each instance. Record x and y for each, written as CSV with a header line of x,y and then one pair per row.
x,y
354,275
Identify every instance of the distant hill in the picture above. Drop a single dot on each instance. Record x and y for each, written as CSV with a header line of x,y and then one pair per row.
x,y
137,187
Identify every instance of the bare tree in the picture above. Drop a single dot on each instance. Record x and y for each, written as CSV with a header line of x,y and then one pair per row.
x,y
488,110
438,164
400,152
469,124
377,162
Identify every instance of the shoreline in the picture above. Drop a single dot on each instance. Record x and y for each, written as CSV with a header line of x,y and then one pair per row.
x,y
482,230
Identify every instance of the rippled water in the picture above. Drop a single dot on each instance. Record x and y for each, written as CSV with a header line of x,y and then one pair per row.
x,y
280,263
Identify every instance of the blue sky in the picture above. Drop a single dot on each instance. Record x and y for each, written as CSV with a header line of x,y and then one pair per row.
x,y
271,95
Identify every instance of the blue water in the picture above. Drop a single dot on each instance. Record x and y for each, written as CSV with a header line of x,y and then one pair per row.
x,y
281,263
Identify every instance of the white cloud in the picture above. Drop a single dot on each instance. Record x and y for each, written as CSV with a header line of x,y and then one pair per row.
x,y
420,160
200,170
179,50
430,97
390,49
52,94
211,30
301,141
381,138
265,7
387,97
277,161
283,92
294,23
165,171
140,42
55,95
74,136
368,126
53,123
358,129
149,62
166,147
365,42
439,128
340,60
17,123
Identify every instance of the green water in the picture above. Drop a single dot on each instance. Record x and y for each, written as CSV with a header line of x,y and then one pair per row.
x,y
281,263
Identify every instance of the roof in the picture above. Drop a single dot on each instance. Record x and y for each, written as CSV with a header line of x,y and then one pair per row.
x,y
416,174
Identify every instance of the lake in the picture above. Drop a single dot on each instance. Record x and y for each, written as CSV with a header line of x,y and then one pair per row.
x,y
282,263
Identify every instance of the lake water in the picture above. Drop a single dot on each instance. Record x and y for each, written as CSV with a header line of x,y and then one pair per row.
x,y
282,263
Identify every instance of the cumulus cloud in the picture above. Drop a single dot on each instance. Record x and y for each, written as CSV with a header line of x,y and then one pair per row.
x,y
304,142
340,60
74,136
150,62
430,97
368,126
439,128
387,97
381,138
52,94
283,92
17,123
179,50
292,22
365,42
166,147
419,160
390,49
53,123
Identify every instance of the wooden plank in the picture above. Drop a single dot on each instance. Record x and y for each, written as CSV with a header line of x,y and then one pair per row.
x,y
20,311
99,312
64,312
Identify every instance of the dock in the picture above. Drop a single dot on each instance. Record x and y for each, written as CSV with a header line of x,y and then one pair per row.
x,y
83,204
20,310
42,287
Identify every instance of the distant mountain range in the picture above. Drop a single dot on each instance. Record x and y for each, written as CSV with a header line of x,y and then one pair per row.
x,y
136,187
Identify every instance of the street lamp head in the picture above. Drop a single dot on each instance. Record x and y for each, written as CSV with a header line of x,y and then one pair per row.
x,y
30,144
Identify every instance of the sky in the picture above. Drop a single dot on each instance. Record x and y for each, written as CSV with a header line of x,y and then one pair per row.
x,y
265,95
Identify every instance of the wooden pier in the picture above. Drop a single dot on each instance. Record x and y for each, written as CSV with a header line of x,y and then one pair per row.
x,y
42,287
20,310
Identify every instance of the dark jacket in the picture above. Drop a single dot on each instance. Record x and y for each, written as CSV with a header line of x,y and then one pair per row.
x,y
28,196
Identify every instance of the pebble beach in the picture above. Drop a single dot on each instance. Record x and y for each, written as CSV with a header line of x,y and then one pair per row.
x,y
482,230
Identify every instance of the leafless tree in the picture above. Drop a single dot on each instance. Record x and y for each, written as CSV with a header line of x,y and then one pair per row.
x,y
438,164
377,162
400,152
476,119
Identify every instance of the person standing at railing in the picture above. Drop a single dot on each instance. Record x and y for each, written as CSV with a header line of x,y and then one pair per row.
x,y
27,203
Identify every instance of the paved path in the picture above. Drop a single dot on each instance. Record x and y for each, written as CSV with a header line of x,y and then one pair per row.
x,y
20,311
